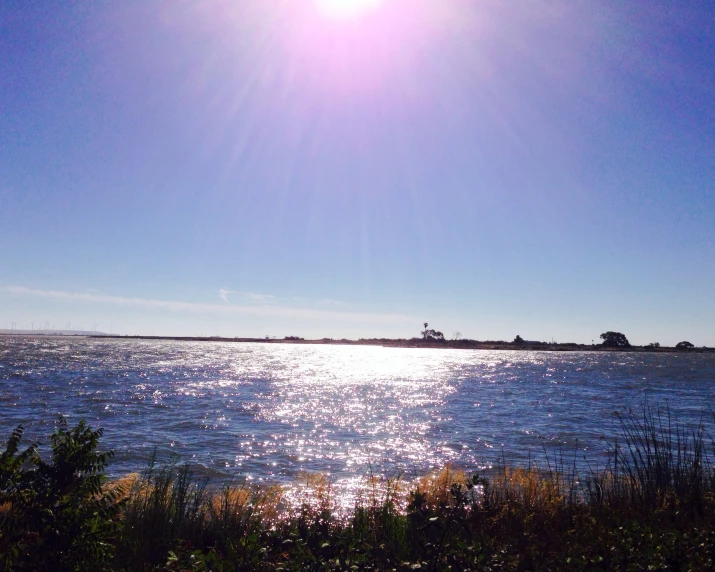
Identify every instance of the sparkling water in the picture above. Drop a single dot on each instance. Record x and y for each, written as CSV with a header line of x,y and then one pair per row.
x,y
269,412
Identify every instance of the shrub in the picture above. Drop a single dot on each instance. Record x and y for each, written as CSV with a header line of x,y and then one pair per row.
x,y
56,515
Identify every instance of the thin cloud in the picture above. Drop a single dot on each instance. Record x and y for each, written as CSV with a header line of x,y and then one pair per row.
x,y
259,298
250,297
261,310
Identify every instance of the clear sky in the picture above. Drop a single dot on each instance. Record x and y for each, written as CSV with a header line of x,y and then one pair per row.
x,y
353,168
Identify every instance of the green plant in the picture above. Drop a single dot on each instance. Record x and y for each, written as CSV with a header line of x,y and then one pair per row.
x,y
56,514
15,496
167,503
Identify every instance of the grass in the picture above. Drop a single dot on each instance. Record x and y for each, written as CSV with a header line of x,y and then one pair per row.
x,y
652,507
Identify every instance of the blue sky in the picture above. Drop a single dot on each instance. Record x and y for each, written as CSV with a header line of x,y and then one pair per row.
x,y
263,168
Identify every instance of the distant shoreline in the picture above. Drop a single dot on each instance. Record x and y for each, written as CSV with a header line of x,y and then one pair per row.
x,y
390,343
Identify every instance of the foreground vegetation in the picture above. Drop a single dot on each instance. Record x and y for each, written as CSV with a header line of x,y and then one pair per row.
x,y
652,508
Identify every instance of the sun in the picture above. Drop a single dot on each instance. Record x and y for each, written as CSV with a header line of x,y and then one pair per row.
x,y
346,9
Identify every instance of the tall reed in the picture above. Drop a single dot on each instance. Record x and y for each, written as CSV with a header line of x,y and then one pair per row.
x,y
655,462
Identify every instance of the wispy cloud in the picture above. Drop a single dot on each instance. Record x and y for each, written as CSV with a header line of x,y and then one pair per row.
x,y
259,298
247,297
265,309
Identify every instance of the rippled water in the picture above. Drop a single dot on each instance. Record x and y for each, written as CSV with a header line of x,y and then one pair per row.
x,y
271,411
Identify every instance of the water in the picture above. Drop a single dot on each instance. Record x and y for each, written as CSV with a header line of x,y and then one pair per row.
x,y
268,412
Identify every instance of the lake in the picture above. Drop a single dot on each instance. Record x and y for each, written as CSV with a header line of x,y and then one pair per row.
x,y
269,412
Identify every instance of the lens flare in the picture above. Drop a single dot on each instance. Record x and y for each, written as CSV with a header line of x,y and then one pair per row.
x,y
346,9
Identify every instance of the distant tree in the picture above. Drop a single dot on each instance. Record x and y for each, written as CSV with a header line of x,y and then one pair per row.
x,y
615,340
684,345
456,336
429,334
654,345
518,340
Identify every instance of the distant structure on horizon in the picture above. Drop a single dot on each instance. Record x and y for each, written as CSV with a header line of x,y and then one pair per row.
x,y
16,332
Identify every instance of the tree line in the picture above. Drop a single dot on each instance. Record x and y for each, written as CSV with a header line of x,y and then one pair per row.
x,y
610,339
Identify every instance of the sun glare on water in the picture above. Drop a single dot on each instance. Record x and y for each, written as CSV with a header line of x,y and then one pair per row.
x,y
346,9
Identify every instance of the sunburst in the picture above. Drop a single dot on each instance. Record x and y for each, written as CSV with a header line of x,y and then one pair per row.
x,y
346,9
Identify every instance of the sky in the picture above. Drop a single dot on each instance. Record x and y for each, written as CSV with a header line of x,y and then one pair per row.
x,y
355,168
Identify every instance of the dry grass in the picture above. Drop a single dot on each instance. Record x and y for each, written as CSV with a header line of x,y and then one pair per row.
x,y
123,486
532,488
436,487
